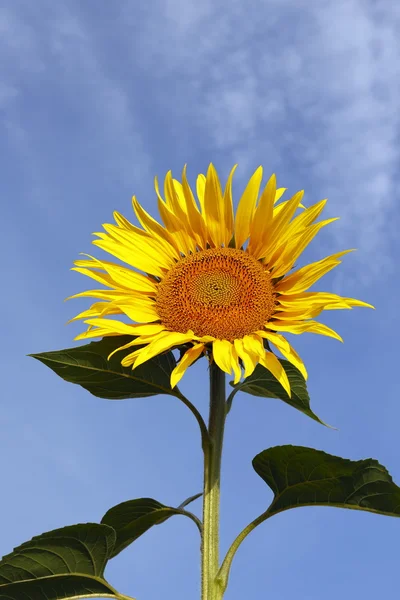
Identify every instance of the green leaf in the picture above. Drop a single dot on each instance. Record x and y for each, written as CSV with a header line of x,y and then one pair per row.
x,y
301,476
88,366
262,383
133,518
61,587
60,564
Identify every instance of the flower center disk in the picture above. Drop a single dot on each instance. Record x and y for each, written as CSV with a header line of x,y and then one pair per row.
x,y
221,292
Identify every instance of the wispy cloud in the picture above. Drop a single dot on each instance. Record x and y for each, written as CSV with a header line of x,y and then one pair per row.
x,y
314,85
53,63
310,85
96,98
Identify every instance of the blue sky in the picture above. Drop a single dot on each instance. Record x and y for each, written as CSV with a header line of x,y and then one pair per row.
x,y
95,99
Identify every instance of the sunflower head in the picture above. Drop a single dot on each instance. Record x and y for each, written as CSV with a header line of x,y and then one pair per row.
x,y
211,281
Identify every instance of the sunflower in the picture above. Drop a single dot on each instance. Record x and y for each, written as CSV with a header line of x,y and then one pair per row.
x,y
212,282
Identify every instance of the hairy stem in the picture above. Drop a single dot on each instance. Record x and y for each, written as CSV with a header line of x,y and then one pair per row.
x,y
212,472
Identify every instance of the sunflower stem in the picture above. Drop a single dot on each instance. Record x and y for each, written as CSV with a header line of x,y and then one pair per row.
x,y
211,589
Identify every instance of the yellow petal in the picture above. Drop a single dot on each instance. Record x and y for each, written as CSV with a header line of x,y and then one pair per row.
x,y
163,342
142,242
176,202
94,333
300,314
109,327
279,224
137,310
262,220
147,328
122,277
249,359
282,205
100,294
124,347
154,228
204,339
145,333
99,308
237,371
123,222
140,309
176,228
309,327
285,262
200,189
117,327
354,302
173,200
177,205
270,362
130,359
296,361
286,350
214,209
180,195
195,218
279,193
222,355
174,224
228,202
305,277
306,300
278,340
187,359
321,298
96,275
253,344
133,256
304,219
246,207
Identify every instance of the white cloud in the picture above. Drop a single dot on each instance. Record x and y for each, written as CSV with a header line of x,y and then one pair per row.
x,y
311,85
58,52
309,89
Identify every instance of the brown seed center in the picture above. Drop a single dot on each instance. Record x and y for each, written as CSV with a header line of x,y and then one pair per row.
x,y
221,292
